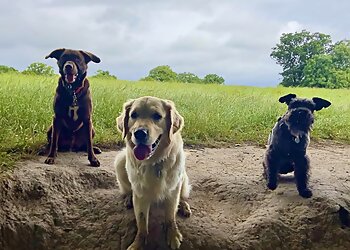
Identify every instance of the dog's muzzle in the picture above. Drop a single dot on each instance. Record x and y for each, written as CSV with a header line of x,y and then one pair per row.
x,y
70,72
142,150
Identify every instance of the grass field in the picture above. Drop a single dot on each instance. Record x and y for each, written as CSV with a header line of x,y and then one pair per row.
x,y
213,114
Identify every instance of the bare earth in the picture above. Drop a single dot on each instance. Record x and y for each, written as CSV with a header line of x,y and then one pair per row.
x,y
73,206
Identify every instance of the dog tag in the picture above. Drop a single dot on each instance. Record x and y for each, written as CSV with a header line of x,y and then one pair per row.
x,y
75,112
297,139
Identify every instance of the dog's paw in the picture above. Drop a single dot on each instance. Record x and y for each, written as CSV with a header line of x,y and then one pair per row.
x,y
184,209
271,185
306,193
174,238
135,246
50,160
97,150
94,162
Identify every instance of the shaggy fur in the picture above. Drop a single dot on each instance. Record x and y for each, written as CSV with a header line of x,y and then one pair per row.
x,y
152,166
289,140
72,127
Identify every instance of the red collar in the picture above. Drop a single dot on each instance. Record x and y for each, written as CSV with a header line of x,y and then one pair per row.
x,y
80,88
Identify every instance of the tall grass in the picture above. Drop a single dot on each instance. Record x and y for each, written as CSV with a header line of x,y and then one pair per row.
x,y
213,114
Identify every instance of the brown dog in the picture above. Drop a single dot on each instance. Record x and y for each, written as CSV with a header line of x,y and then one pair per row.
x,y
72,128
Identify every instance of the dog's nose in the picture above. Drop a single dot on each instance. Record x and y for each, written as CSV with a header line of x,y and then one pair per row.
x,y
68,66
141,134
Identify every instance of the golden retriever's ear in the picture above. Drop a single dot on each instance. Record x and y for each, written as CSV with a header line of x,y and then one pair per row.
x,y
123,119
175,121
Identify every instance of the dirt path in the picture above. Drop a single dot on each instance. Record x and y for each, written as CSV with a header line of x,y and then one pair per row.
x,y
73,206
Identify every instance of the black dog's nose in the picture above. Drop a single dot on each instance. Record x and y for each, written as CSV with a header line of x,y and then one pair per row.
x,y
141,134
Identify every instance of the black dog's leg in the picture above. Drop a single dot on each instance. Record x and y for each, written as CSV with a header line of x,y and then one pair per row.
x,y
301,174
270,172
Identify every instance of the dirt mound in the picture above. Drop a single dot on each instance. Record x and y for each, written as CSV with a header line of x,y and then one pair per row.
x,y
73,206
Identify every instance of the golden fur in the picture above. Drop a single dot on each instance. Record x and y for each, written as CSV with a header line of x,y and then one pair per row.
x,y
161,177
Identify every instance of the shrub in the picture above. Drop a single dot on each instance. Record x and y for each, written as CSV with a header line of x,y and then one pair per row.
x,y
38,68
162,74
7,69
188,77
214,79
104,74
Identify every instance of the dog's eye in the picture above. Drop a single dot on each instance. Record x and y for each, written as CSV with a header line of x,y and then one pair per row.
x,y
134,115
156,116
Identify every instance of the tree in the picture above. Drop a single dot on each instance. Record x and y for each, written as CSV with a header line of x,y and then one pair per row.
x,y
162,74
7,69
319,72
104,74
38,68
294,50
188,77
213,78
341,55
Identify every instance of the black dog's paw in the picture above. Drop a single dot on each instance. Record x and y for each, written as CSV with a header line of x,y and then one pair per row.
x,y
306,193
271,185
94,162
50,160
97,150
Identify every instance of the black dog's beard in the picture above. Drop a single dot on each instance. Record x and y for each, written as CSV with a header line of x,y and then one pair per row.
x,y
299,122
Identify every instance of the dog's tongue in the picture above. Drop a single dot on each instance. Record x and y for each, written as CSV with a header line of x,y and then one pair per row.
x,y
70,78
142,151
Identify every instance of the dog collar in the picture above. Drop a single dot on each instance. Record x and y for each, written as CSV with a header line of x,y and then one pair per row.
x,y
74,90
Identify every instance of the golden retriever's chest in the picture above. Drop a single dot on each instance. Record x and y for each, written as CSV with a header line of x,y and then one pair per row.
x,y
154,181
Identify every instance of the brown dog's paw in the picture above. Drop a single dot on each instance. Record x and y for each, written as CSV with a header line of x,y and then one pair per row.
x,y
184,209
50,160
97,150
94,162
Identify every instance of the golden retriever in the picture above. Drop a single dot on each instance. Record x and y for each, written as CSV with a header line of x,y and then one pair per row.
x,y
152,166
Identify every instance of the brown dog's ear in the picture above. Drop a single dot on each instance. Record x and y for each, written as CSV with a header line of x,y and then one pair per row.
x,y
90,57
287,98
320,103
123,119
174,120
56,54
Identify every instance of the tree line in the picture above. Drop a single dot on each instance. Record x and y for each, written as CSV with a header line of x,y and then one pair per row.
x,y
313,60
161,73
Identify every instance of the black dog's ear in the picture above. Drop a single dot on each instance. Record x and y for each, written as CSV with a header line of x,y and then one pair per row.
x,y
287,98
56,54
320,103
90,57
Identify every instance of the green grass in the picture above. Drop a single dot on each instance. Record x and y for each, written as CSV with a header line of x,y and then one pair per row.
x,y
213,114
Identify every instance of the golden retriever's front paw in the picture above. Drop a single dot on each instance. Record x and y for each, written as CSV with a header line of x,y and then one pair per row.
x,y
184,209
50,160
94,162
174,238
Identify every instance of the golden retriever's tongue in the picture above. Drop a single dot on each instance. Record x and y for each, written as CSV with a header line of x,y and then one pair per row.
x,y
142,151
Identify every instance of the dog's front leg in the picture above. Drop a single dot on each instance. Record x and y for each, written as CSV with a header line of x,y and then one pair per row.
x,y
91,155
141,210
56,129
301,173
174,237
271,172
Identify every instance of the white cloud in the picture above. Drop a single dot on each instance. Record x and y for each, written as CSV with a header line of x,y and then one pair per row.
x,y
229,38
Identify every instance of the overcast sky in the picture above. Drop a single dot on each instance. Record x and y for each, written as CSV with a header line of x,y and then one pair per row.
x,y
230,38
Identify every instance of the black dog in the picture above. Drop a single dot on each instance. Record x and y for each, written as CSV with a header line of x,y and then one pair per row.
x,y
72,123
289,140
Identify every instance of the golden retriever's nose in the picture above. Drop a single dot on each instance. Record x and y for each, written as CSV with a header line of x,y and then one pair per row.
x,y
141,135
